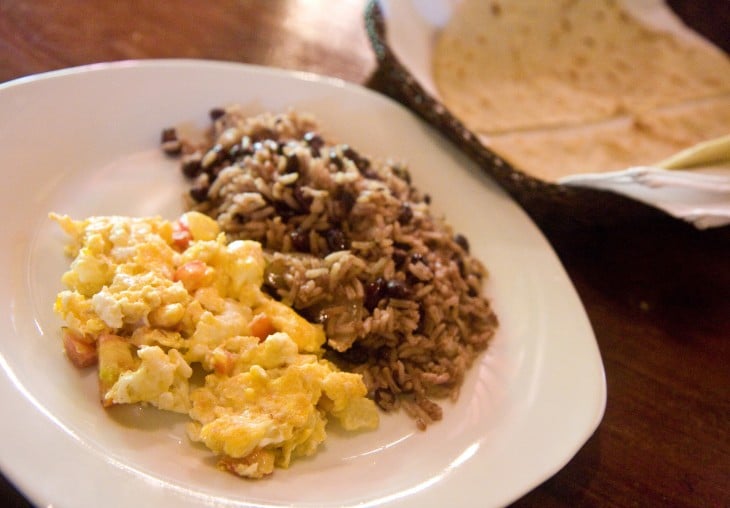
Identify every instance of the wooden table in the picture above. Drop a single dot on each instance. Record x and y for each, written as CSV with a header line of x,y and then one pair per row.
x,y
657,292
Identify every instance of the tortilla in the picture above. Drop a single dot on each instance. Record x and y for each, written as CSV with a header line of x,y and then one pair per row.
x,y
620,143
578,85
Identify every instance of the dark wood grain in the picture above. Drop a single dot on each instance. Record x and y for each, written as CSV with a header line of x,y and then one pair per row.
x,y
658,297
657,292
321,37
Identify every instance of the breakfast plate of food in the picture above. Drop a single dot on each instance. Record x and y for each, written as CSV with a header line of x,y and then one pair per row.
x,y
238,286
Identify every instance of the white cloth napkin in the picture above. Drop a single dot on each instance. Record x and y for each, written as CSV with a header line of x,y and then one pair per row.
x,y
695,196
693,185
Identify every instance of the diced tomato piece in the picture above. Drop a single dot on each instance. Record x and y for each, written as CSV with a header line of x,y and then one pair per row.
x,y
223,364
181,236
191,274
261,326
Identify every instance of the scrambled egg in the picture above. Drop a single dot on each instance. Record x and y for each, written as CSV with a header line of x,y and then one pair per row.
x,y
149,300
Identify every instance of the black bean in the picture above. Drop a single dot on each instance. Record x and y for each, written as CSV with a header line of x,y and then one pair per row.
x,y
169,134
348,200
356,354
292,164
344,200
191,165
363,166
216,113
274,274
411,280
300,240
171,145
399,258
462,267
361,163
417,257
333,158
384,353
421,320
406,214
350,153
397,289
214,172
239,218
304,201
284,211
374,292
313,139
320,316
315,142
199,193
462,242
336,239
271,291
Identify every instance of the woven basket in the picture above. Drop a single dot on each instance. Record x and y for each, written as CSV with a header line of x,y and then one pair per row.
x,y
547,203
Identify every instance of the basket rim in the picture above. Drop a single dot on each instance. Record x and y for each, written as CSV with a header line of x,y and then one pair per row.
x,y
540,198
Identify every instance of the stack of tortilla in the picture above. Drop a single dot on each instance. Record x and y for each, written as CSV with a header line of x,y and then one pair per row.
x,y
577,86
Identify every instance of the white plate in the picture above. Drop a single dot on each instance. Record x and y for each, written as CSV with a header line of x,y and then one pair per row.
x,y
85,141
